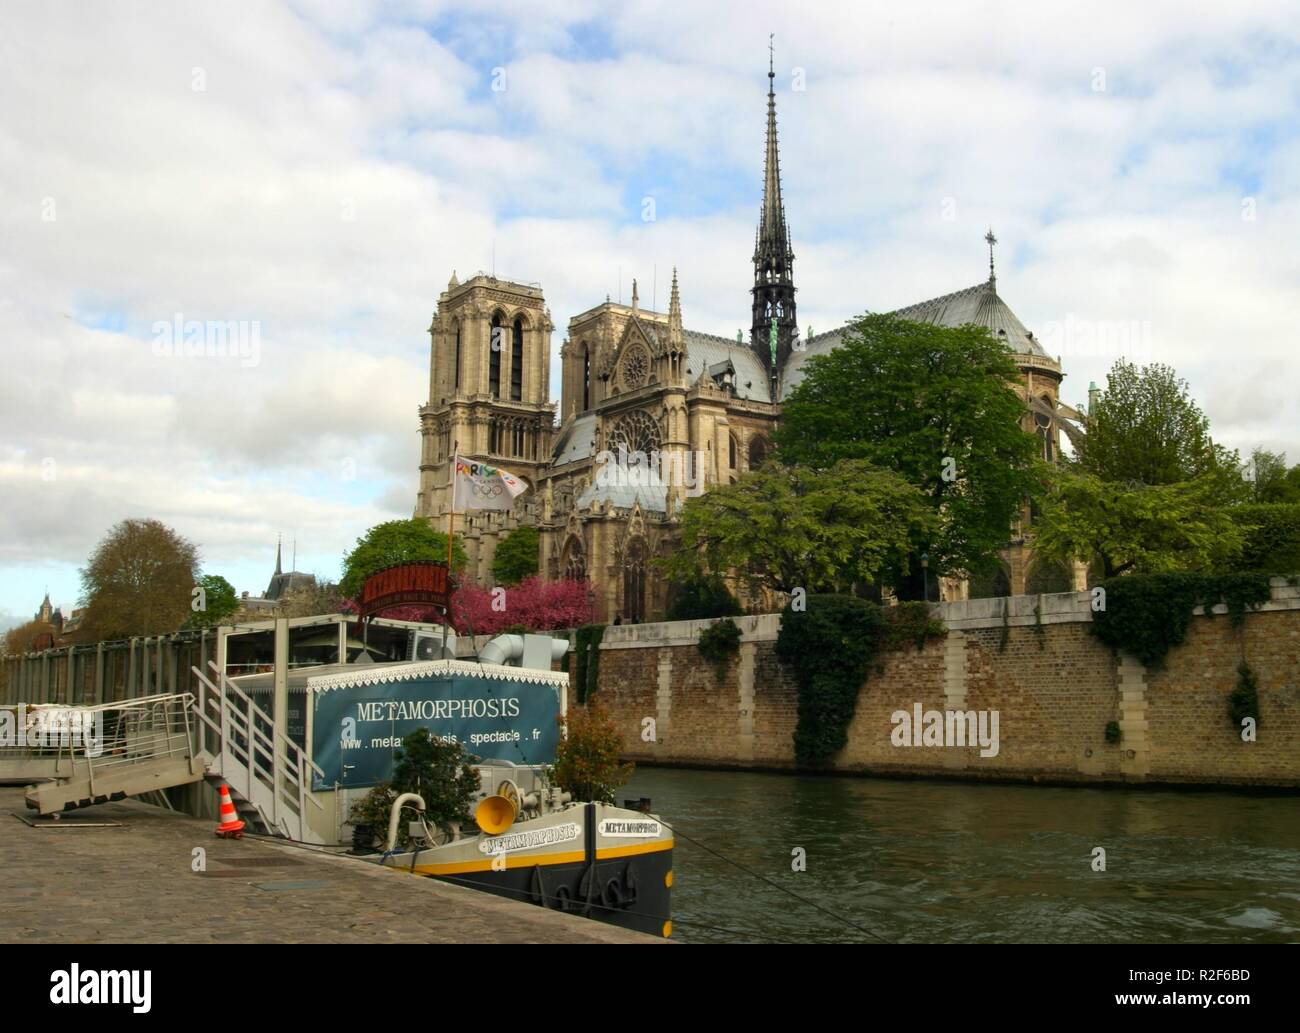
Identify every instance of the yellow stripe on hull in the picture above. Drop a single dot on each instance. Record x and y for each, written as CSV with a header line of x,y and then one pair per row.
x,y
523,859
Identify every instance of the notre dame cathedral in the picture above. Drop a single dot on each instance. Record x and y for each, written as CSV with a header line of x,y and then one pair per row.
x,y
639,380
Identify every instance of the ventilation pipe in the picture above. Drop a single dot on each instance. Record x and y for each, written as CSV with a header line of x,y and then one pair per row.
x,y
536,652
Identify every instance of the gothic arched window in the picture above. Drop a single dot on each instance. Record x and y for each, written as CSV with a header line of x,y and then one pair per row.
x,y
1046,576
757,452
991,583
636,432
574,560
496,342
457,380
731,450
634,562
586,376
517,363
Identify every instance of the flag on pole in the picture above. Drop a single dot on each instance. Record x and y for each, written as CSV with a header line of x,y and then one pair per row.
x,y
479,486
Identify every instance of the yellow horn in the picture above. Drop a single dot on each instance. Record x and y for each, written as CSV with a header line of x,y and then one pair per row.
x,y
495,814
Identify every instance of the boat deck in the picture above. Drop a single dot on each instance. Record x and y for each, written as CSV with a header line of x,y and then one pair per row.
x,y
134,883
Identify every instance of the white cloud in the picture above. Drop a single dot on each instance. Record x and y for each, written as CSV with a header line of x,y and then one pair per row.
x,y
341,159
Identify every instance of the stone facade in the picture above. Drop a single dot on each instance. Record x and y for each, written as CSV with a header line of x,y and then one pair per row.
x,y
1054,686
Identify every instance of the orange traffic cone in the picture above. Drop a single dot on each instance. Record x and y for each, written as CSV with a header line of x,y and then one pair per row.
x,y
231,827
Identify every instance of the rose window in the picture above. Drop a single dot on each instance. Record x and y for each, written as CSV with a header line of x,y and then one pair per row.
x,y
634,369
636,432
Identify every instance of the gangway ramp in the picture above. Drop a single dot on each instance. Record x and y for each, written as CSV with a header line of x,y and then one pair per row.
x,y
269,774
106,752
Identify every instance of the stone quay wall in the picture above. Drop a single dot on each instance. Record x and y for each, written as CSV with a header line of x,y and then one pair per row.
x,y
1054,686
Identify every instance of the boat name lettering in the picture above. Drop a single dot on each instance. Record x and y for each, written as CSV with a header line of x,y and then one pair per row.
x,y
623,827
433,709
531,838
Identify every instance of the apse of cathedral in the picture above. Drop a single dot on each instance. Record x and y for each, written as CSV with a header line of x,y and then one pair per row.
x,y
691,409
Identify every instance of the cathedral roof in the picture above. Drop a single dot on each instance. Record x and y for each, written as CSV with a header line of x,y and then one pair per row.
x,y
652,496
982,306
706,350
979,304
577,441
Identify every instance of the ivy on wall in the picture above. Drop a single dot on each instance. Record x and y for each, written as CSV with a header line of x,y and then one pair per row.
x,y
1148,614
718,643
1243,701
586,666
912,623
829,646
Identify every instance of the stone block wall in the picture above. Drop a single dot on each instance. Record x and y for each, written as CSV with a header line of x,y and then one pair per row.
x,y
1032,659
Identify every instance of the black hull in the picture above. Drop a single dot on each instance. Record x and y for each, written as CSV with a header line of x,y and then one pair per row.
x,y
629,892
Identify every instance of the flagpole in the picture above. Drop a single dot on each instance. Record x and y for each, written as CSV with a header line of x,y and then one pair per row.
x,y
451,505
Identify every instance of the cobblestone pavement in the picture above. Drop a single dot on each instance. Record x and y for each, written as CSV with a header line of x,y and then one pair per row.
x,y
135,884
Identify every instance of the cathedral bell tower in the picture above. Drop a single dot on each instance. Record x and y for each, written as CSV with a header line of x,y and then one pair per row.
x,y
773,290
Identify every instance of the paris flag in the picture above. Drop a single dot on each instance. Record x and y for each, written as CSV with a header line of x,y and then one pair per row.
x,y
479,486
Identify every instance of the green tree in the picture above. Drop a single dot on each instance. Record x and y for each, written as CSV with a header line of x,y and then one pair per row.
x,y
516,556
788,527
587,758
394,542
1270,480
936,406
138,581
702,598
219,601
1139,528
1272,537
438,770
1146,429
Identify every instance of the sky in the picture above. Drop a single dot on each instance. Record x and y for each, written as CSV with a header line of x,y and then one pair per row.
x,y
312,172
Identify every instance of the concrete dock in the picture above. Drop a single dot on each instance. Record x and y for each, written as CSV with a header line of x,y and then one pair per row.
x,y
136,883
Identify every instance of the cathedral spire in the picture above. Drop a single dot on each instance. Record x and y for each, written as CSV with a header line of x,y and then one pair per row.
x,y
993,280
772,231
674,308
772,329
278,544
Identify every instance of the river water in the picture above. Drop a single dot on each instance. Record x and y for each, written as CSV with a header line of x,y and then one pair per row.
x,y
929,861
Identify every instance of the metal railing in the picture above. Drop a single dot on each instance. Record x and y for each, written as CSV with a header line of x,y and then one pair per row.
x,y
259,762
86,740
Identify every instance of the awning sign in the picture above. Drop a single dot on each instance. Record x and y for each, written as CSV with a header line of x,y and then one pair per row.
x,y
356,730
406,584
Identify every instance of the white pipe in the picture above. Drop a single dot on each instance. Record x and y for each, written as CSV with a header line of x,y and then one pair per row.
x,y
396,812
501,649
505,648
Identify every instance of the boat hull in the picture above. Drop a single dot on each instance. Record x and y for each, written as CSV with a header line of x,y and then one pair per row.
x,y
581,861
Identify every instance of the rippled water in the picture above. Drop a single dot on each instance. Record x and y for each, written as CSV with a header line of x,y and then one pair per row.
x,y
935,861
